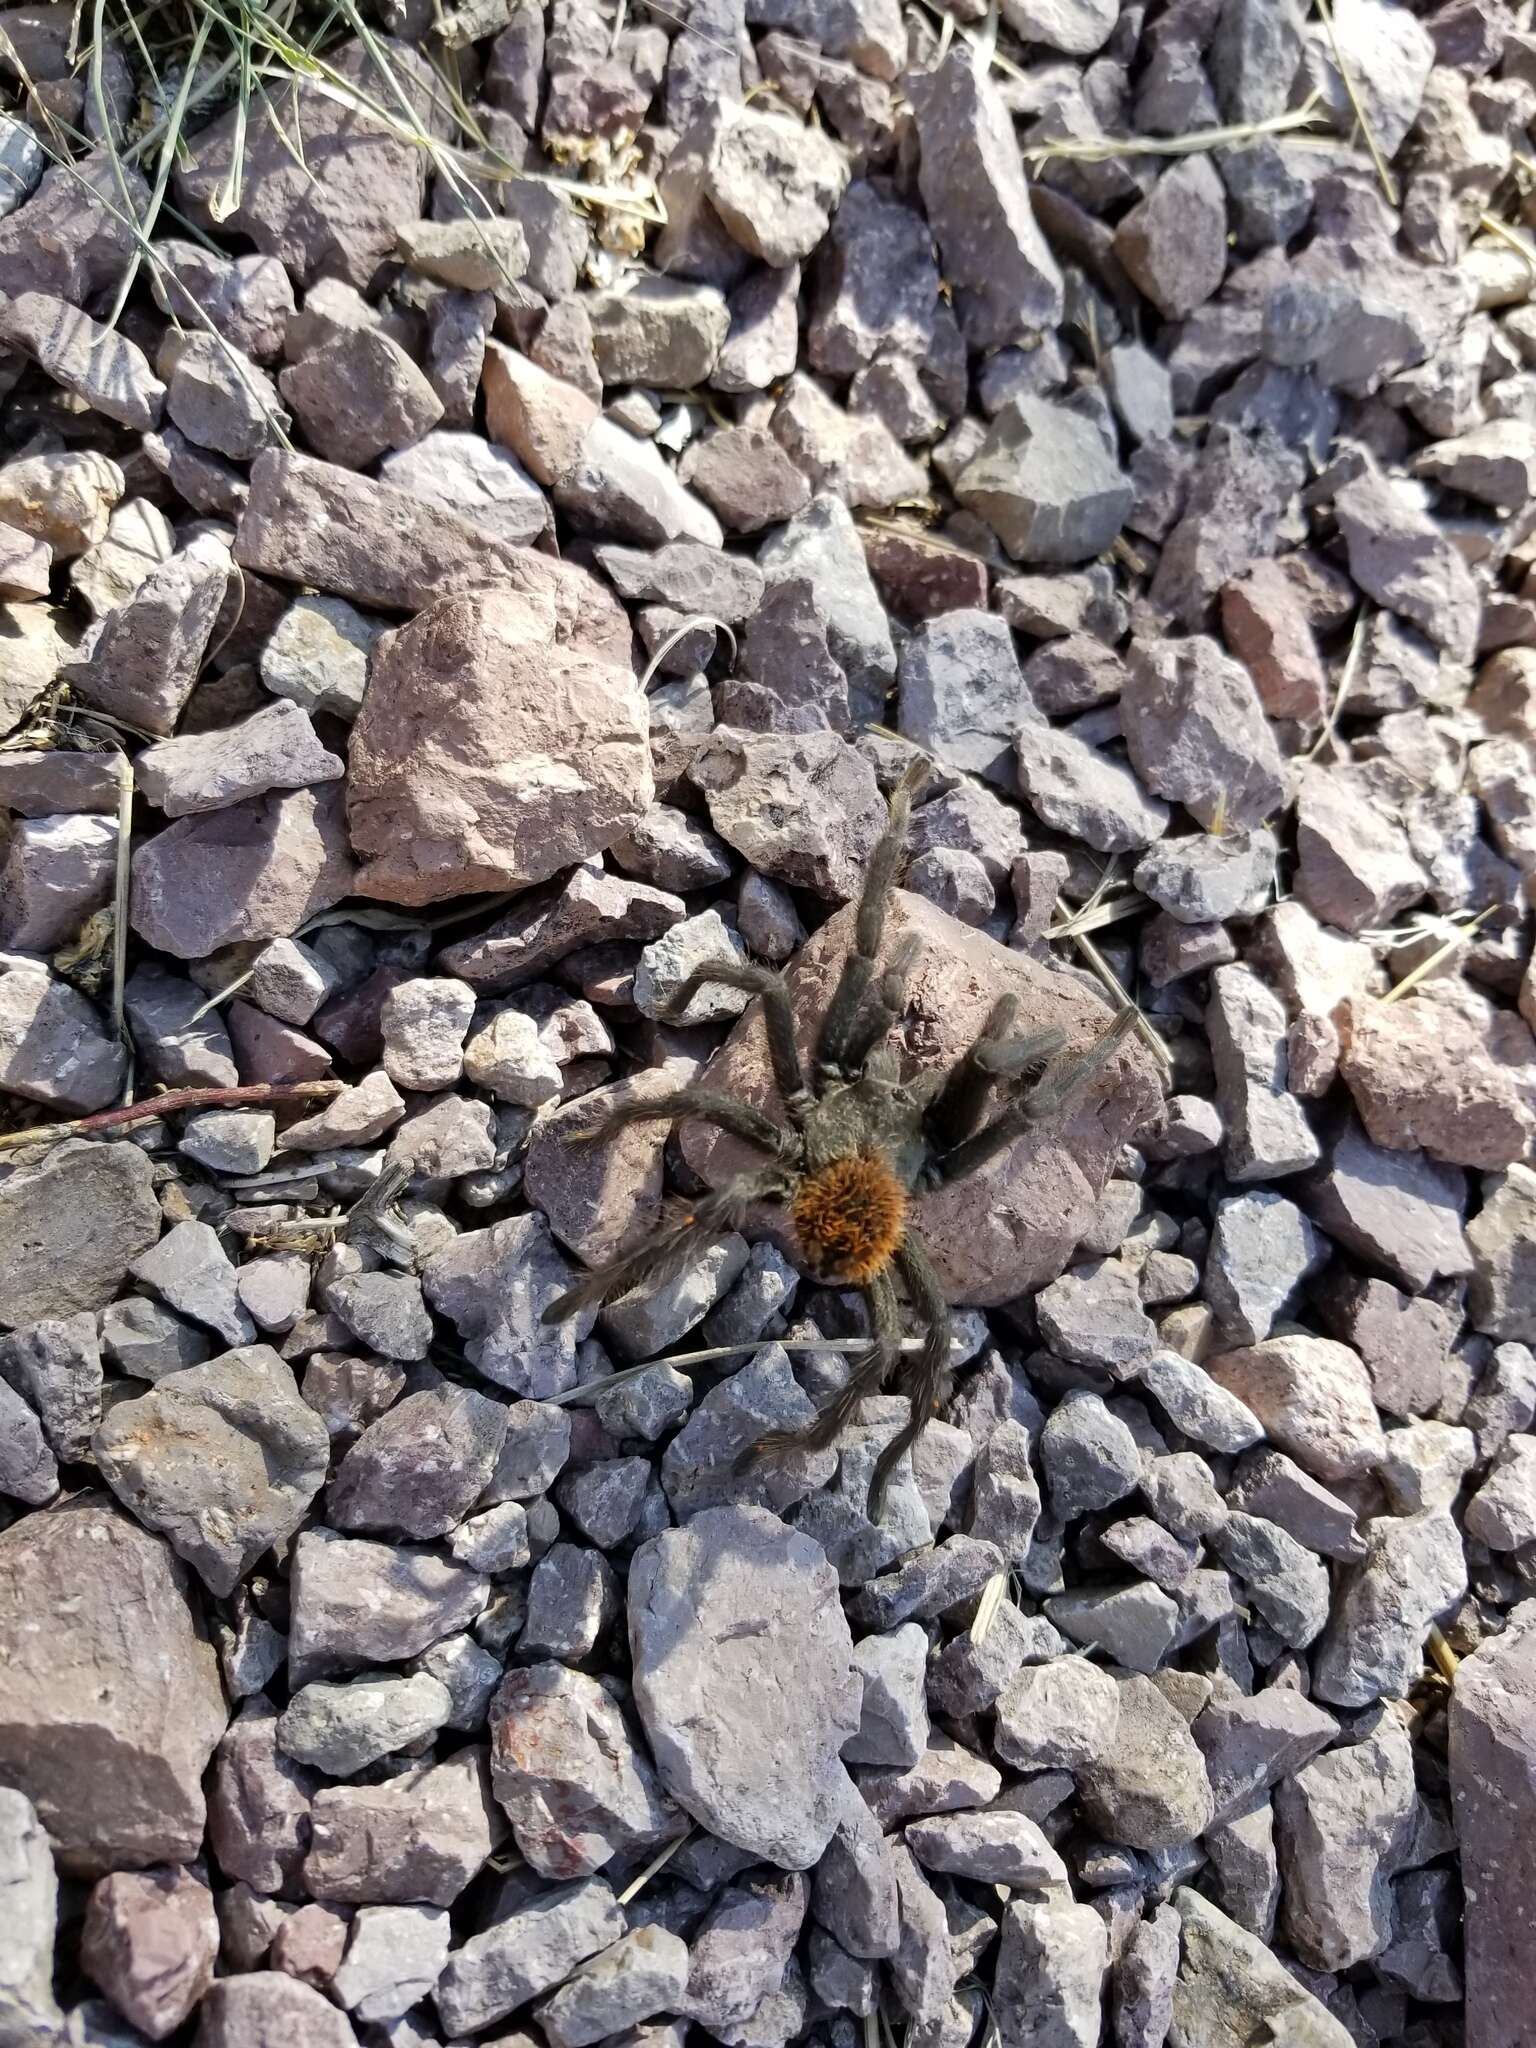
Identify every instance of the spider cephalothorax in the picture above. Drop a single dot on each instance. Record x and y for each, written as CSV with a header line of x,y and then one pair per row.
x,y
857,1150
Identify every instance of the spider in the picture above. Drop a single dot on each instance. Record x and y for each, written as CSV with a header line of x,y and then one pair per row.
x,y
858,1149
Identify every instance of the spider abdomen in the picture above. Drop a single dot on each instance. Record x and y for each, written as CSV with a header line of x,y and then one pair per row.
x,y
849,1216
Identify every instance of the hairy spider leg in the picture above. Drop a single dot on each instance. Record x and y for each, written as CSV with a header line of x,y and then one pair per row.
x,y
778,1021
956,1109
868,929
1056,1087
739,1119
665,1255
868,1375
882,1008
925,1374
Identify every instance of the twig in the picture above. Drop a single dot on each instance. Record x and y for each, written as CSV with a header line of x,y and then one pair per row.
x,y
173,1100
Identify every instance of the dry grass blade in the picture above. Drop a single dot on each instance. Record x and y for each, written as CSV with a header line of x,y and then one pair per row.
x,y
659,1861
120,884
1113,983
680,632
1439,1653
1195,143
1461,936
1378,161
992,1596
1346,683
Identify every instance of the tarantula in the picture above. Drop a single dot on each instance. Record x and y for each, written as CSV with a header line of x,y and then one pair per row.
x,y
858,1149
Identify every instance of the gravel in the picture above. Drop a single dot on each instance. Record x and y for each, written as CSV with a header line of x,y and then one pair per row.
x,y
382,1664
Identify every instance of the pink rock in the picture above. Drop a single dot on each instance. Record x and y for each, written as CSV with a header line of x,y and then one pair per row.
x,y
151,1940
1313,1397
265,2009
254,871
589,911
106,1725
1355,868
488,757
1449,1073
1012,1227
541,418
310,1946
268,1050
311,522
25,562
1265,619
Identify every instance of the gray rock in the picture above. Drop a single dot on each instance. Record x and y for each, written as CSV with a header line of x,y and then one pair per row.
x,y
28,1470
1046,484
822,545
947,1778
55,1366
270,2006
574,1786
29,1889
1412,1573
1400,557
804,809
234,1141
524,1952
573,1601
604,1499
358,1603
1262,1248
962,696
1063,1712
395,1955
1089,1456
494,1542
1196,732
743,1948
148,654
1344,1820
1202,877
383,1311
854,1891
341,1729
992,1848
1007,285
1005,1500
924,1968
1274,1486
1136,1625
1287,1584
894,1726
275,748
1051,1967
494,1285
533,1451
643,1973
1148,1787
259,1804
1197,1405
1093,1316
160,1008
56,874
145,1341
654,1314
1251,1743
107,1726
53,1046
1266,1127
620,486
1502,1512
1144,1980
778,1788
1490,1749
190,1270
223,1458
1230,1985
470,1674
1081,791
1500,1237
318,654
927,1585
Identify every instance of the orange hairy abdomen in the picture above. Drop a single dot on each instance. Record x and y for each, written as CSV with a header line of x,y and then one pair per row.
x,y
849,1217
